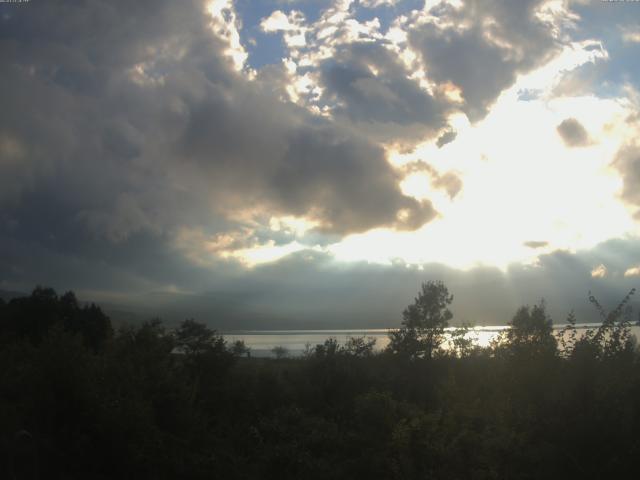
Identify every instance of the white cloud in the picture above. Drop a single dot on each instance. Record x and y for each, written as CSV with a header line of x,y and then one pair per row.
x,y
632,272
376,3
293,27
276,22
631,34
225,24
599,272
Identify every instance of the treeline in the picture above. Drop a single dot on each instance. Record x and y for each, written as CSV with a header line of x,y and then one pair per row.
x,y
80,400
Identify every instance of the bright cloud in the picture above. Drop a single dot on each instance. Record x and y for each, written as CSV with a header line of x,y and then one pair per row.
x,y
632,272
599,272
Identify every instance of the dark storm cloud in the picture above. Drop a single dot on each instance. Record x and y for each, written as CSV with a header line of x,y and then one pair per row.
x,y
573,133
371,88
296,165
484,46
123,123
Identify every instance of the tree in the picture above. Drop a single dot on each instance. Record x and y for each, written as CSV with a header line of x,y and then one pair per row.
x,y
423,322
280,352
359,346
531,331
205,358
461,345
34,316
329,348
612,338
195,338
240,349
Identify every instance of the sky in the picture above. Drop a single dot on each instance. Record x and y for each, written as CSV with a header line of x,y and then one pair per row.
x,y
307,164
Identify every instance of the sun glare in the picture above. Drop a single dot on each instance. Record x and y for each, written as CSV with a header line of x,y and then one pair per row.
x,y
522,184
526,190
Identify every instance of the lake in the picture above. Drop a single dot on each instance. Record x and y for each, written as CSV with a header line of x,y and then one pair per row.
x,y
261,342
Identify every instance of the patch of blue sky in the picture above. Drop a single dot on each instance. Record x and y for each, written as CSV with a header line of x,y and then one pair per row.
x,y
609,76
604,19
312,9
608,22
623,65
269,48
387,13
529,94
263,49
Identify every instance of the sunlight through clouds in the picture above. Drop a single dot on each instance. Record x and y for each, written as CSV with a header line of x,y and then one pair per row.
x,y
517,179
225,24
632,272
520,182
599,272
269,252
517,186
234,136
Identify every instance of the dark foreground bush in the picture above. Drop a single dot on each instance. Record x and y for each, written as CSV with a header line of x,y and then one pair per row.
x,y
78,400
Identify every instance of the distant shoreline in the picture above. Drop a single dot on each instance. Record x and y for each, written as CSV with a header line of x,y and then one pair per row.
x,y
487,328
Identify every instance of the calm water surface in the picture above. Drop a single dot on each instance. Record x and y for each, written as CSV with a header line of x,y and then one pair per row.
x,y
261,342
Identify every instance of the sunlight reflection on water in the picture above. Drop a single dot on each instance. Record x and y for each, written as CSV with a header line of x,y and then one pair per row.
x,y
261,342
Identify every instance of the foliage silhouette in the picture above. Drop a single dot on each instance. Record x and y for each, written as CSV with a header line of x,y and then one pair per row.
x,y
530,333
423,322
280,352
150,402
